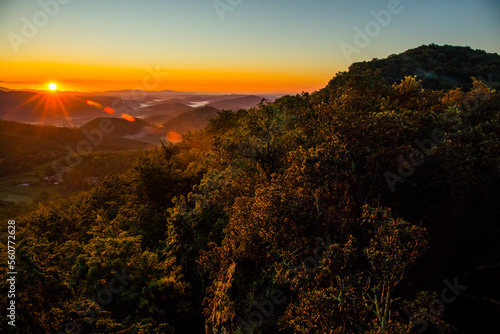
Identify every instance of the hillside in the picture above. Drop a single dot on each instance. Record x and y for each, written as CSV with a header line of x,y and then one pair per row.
x,y
121,127
47,108
172,108
439,67
24,146
191,120
370,206
157,119
235,104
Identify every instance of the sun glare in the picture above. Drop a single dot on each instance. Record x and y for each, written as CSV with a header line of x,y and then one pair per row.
x,y
52,86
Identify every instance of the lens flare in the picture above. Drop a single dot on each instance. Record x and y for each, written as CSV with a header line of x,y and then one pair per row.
x,y
128,118
174,137
93,104
109,110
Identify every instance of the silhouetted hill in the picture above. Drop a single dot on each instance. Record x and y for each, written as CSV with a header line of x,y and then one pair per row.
x,y
158,119
143,95
236,104
212,98
175,99
172,108
439,67
191,120
138,130
73,109
24,106
121,126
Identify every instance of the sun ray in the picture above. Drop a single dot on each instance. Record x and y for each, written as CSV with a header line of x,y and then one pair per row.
x,y
37,96
57,101
45,107
63,108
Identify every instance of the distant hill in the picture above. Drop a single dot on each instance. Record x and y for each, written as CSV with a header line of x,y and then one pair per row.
x,y
236,104
172,108
74,109
439,67
146,95
121,126
212,98
113,102
23,106
158,119
139,130
191,120
175,99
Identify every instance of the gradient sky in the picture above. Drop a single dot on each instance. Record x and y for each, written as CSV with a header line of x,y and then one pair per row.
x,y
279,46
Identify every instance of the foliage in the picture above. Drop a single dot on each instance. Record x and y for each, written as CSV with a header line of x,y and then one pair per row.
x,y
288,197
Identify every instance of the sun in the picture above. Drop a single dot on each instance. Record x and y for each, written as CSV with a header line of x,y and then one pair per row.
x,y
52,86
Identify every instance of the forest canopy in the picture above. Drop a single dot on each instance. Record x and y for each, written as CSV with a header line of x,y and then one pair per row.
x,y
348,210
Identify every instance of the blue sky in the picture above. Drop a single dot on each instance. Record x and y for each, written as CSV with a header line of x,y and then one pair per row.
x,y
277,44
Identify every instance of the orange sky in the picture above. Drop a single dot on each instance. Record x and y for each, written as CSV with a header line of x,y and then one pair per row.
x,y
71,77
257,46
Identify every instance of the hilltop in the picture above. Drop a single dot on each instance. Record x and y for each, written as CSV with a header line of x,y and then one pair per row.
x,y
121,127
438,67
191,120
235,104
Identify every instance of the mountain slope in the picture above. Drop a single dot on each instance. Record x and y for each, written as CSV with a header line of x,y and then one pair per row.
x,y
439,67
192,120
236,104
158,119
23,146
172,108
121,126
62,107
291,206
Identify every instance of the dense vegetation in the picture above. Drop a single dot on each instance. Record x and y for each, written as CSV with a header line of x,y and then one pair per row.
x,y
311,214
438,67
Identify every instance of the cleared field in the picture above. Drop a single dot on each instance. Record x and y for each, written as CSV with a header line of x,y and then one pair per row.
x,y
16,179
17,200
11,189
14,197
